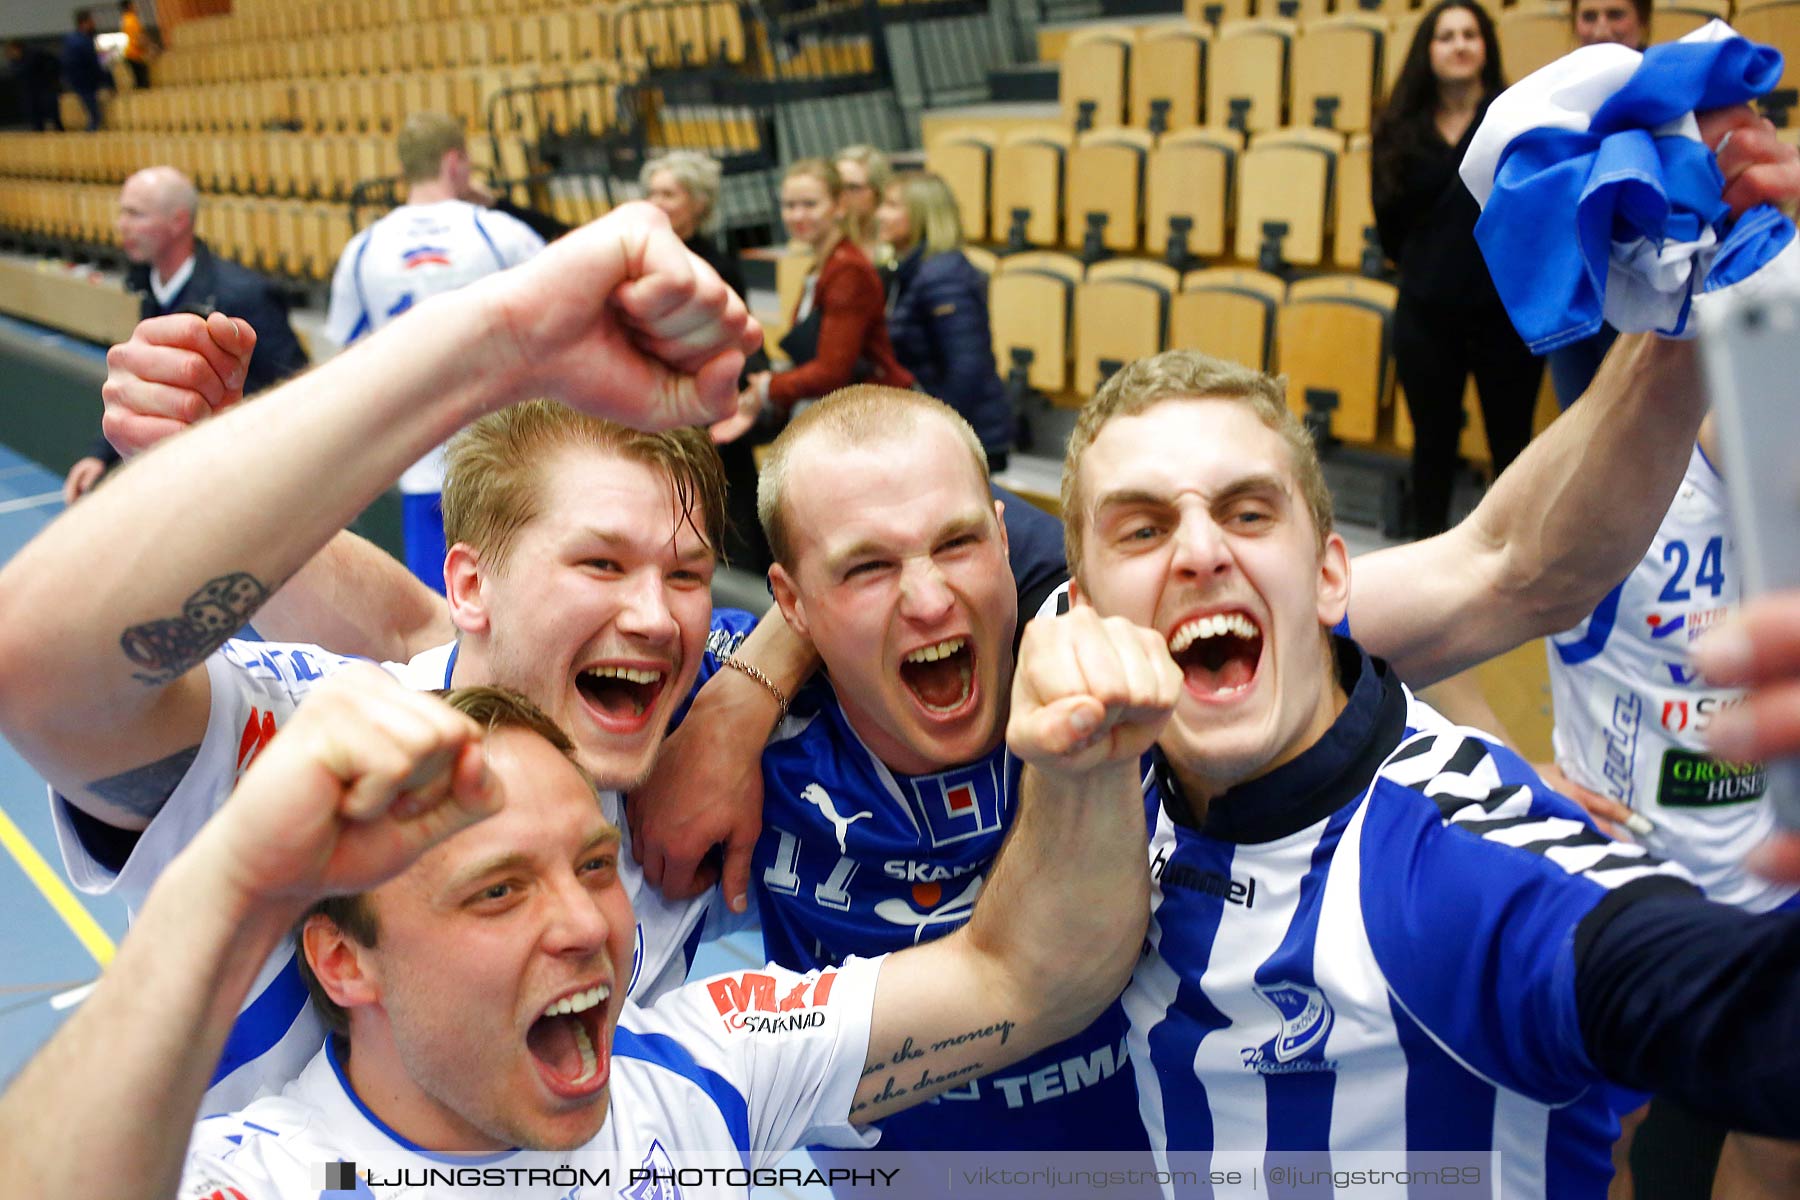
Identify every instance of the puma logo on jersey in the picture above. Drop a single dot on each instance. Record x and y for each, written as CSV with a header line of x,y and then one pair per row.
x,y
821,799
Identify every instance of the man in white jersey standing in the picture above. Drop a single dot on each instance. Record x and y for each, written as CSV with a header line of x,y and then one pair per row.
x,y
1632,714
1372,931
479,991
434,243
582,581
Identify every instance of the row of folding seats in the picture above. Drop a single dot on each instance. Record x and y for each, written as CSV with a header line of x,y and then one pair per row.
x,y
264,20
367,105
1069,327
1325,70
294,238
267,164
1124,191
651,32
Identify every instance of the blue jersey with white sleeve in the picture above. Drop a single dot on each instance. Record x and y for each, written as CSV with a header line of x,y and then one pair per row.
x,y
1371,948
855,859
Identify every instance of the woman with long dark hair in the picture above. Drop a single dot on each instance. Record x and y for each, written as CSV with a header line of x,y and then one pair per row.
x,y
1448,321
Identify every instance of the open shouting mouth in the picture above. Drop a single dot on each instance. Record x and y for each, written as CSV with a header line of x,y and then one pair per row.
x,y
621,696
569,1042
1218,654
941,676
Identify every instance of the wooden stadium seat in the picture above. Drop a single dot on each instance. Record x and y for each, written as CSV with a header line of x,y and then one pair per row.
x,y
1354,213
1096,65
1294,10
1405,25
1121,314
1227,312
963,159
1671,22
1532,37
1028,182
1166,72
1334,73
1246,75
1188,179
985,261
1777,24
1106,187
1210,14
1286,177
1333,335
1030,298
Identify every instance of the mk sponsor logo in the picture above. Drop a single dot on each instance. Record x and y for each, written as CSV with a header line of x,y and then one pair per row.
x,y
749,1002
259,731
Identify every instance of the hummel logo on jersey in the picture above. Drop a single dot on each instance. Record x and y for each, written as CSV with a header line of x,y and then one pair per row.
x,y
1206,883
821,799
1306,1018
749,1001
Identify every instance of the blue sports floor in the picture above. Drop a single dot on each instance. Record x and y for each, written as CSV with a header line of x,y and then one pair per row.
x,y
53,940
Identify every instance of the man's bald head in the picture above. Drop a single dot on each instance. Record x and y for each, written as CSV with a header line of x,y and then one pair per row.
x,y
156,218
167,189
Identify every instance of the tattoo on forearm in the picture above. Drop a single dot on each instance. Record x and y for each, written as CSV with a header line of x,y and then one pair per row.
x,y
142,790
908,1075
170,647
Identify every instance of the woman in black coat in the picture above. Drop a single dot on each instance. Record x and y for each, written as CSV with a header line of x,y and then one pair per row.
x,y
1448,321
937,309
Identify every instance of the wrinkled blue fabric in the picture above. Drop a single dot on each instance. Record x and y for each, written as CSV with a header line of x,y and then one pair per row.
x,y
1623,183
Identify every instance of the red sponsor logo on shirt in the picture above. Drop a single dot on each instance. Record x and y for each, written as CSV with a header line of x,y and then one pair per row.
x,y
758,1002
259,730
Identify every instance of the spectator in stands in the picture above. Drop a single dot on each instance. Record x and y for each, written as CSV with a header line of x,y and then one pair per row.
x,y
39,79
1448,321
436,242
1626,22
137,46
81,69
177,272
866,173
838,332
937,310
685,185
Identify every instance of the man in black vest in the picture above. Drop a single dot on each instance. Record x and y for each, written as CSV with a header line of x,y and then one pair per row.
x,y
177,272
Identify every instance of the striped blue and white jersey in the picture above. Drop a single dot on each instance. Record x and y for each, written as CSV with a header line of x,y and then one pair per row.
x,y
689,1073
1371,948
855,858
256,686
415,252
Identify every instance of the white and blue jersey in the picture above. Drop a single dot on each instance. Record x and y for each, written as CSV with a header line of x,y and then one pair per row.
x,y
256,686
1371,948
414,252
856,859
1632,714
685,1076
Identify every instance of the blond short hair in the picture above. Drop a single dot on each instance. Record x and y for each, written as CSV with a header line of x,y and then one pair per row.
x,y
495,468
931,211
1188,374
424,140
816,168
873,162
491,707
858,415
698,174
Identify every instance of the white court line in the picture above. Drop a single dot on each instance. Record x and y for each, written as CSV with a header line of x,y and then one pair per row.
x,y
25,502
70,999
